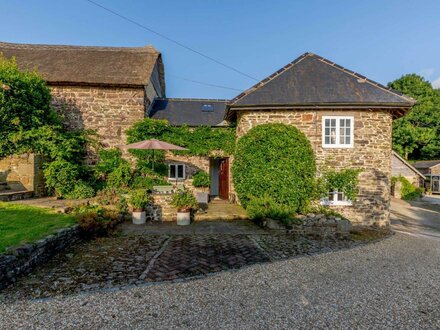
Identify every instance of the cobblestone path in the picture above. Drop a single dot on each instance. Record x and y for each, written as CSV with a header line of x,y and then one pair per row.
x,y
121,261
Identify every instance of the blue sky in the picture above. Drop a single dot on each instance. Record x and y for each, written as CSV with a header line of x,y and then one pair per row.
x,y
380,39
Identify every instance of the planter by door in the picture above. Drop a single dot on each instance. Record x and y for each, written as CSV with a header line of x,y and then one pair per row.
x,y
183,218
223,178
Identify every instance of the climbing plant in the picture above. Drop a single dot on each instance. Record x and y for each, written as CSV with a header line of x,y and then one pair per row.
x,y
274,161
200,141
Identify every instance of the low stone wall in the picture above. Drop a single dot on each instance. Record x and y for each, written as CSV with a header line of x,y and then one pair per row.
x,y
161,210
315,225
19,261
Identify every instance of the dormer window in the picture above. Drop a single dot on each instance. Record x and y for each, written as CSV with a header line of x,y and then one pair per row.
x,y
207,107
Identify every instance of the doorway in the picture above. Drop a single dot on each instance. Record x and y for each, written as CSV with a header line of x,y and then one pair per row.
x,y
219,168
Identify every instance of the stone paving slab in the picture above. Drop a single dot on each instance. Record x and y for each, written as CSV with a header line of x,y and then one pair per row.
x,y
127,260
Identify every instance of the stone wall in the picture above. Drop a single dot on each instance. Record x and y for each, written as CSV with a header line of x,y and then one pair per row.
x,y
161,210
192,164
24,172
22,260
109,111
435,170
371,153
315,225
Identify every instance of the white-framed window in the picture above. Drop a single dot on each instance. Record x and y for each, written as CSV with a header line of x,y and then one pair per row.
x,y
336,198
337,131
176,171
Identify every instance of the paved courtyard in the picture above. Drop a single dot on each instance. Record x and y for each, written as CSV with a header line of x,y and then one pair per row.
x,y
139,255
391,284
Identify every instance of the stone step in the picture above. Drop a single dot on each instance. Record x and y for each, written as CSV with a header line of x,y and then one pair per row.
x,y
16,195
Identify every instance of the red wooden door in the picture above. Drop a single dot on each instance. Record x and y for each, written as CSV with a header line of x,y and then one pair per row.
x,y
223,178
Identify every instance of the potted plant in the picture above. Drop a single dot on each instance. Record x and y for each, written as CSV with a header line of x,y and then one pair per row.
x,y
184,201
201,180
139,199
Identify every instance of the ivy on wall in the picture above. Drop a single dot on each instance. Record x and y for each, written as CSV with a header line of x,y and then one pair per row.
x,y
200,141
275,164
345,181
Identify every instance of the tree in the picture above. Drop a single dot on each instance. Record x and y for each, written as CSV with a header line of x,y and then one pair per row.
x,y
24,103
28,123
417,135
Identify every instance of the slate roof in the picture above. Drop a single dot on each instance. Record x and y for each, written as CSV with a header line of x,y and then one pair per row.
x,y
129,66
426,164
191,112
312,80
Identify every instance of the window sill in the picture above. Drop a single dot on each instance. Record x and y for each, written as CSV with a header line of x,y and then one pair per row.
x,y
337,146
339,203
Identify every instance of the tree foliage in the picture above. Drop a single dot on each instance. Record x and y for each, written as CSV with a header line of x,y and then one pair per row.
x,y
417,135
28,123
274,161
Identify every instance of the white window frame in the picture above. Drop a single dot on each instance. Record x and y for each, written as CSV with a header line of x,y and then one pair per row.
x,y
329,202
338,122
177,172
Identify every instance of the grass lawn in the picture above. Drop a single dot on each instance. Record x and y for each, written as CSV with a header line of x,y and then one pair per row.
x,y
21,224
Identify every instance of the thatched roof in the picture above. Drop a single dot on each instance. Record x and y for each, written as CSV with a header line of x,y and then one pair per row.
x,y
313,81
76,65
191,112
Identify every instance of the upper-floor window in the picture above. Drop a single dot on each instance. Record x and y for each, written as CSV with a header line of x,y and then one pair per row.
x,y
176,171
337,132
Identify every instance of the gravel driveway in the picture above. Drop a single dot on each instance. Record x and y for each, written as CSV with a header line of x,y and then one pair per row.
x,y
394,283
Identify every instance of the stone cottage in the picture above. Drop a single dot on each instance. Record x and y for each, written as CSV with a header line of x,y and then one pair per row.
x,y
106,89
346,117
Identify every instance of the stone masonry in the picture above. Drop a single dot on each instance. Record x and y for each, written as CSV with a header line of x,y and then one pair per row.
x,y
109,111
23,172
21,260
371,153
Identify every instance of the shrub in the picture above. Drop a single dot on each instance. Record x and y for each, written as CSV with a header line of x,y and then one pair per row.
x,y
408,191
109,160
139,199
201,179
265,207
114,197
120,176
95,220
61,177
81,190
277,161
184,200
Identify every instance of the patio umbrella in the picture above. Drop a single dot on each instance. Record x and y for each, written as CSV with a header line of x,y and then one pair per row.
x,y
152,144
